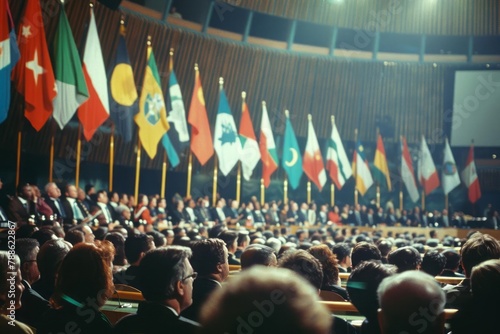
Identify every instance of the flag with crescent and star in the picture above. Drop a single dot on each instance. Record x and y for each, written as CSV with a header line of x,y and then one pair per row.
x,y
226,141
291,159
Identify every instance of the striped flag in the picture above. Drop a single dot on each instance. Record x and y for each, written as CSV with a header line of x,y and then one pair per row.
x,y
407,172
313,161
361,169
427,173
337,162
381,169
469,176
267,146
93,112
250,154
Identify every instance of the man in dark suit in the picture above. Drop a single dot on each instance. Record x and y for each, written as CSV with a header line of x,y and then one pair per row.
x,y
202,211
75,212
210,261
53,199
33,305
22,207
218,212
166,279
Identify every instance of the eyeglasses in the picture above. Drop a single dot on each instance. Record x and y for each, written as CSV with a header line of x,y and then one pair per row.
x,y
193,276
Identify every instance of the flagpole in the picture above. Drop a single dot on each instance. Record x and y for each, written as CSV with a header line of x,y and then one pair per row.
x,y
285,190
356,169
262,192
51,151
423,199
332,186
214,192
378,183
137,169
308,192
401,184
190,171
164,164
78,155
18,165
446,201
238,176
111,156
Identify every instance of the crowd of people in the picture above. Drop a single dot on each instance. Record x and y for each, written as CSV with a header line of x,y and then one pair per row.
x,y
66,264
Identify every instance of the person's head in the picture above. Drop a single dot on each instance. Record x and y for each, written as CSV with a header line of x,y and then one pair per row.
x,y
80,194
50,257
484,281
262,300
118,241
102,197
136,247
230,238
433,262
405,258
70,191
158,238
166,276
87,232
43,235
123,199
27,250
85,275
243,239
328,263
385,247
411,302
10,277
364,251
452,259
363,284
210,258
478,248
304,264
113,197
52,190
74,236
343,253
258,255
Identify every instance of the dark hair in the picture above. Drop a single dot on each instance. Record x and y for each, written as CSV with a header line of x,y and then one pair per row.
x,y
384,246
50,257
364,251
341,250
328,262
118,240
479,248
158,238
160,270
75,236
433,262
405,258
88,187
452,259
25,249
43,235
207,254
84,274
256,254
363,284
305,265
228,237
135,245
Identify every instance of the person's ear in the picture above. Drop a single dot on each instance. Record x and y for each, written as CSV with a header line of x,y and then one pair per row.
x,y
219,268
179,288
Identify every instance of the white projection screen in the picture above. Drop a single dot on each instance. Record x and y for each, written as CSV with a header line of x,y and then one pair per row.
x,y
476,109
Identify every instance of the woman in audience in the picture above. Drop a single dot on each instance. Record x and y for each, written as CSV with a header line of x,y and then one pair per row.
x,y
334,216
9,302
83,284
331,281
141,211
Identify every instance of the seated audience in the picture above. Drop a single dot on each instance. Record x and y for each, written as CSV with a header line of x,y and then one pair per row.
x,y
405,258
74,236
209,260
331,281
343,253
230,238
258,294
452,263
411,302
362,288
364,251
433,263
166,281
136,247
258,255
118,241
84,283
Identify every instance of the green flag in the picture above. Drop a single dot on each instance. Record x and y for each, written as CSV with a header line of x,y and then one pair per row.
x,y
291,160
71,87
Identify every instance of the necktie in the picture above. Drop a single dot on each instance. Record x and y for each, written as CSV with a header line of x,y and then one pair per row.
x,y
76,212
108,214
60,208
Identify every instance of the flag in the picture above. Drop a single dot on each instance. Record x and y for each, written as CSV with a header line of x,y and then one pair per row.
x,y
312,161
123,102
201,137
177,138
267,147
450,174
407,172
33,75
71,87
381,169
291,159
9,56
469,176
93,112
250,154
427,173
152,116
226,141
337,162
361,169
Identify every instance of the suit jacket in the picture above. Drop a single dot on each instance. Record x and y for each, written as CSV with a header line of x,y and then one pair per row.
x,y
68,209
177,217
17,211
216,216
202,288
155,318
60,213
258,217
33,306
202,214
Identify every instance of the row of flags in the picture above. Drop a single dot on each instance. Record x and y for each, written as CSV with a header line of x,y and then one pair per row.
x,y
72,87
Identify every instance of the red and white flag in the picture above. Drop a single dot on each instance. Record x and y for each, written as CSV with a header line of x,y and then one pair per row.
x,y
95,110
407,173
469,176
427,172
312,161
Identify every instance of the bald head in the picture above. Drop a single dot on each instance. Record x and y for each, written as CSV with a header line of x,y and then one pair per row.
x,y
411,302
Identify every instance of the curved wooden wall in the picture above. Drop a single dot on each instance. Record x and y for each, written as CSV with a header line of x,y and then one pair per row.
x,y
455,17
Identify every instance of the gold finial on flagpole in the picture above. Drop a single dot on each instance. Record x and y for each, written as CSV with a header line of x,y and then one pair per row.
x,y
287,113
263,103
309,117
196,68
171,52
149,40
221,82
333,119
243,95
